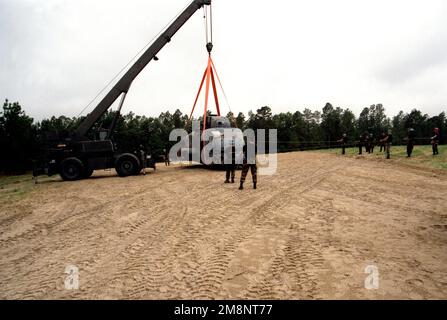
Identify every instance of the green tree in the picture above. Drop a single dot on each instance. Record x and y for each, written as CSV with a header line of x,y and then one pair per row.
x,y
348,122
363,121
240,121
378,120
331,123
17,139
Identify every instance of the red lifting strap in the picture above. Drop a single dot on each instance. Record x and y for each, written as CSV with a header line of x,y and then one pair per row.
x,y
209,77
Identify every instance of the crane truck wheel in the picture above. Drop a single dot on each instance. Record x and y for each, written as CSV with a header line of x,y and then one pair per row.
x,y
72,169
127,165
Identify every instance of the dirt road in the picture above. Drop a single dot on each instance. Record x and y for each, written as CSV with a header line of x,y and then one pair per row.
x,y
308,232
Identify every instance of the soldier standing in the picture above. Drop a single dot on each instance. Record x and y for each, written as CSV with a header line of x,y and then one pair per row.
x,y
166,156
361,141
410,141
382,144
435,141
366,141
142,158
343,142
387,141
371,143
231,167
249,164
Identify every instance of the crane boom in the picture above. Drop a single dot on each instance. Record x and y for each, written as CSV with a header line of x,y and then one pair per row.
x,y
77,155
123,85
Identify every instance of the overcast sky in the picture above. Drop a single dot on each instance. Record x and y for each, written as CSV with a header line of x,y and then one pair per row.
x,y
55,55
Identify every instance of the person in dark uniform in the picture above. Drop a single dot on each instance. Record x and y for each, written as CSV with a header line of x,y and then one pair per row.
x,y
231,167
371,143
166,156
435,141
142,158
388,141
249,164
410,141
382,144
361,142
366,141
343,141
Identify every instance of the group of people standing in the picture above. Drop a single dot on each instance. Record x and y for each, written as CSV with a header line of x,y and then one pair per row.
x,y
368,141
411,137
385,141
248,164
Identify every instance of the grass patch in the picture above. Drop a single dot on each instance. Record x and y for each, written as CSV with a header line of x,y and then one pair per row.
x,y
422,155
13,188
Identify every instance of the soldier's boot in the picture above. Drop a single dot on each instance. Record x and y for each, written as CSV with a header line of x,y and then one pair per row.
x,y
254,185
227,176
232,180
241,187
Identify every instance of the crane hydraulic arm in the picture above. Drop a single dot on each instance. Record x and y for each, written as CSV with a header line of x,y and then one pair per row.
x,y
123,85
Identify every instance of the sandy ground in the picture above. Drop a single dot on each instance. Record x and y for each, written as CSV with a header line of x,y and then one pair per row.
x,y
308,232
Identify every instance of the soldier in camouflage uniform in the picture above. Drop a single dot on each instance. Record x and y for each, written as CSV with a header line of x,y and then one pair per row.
x,y
388,140
410,141
382,144
366,142
343,141
166,157
230,171
249,164
435,141
371,143
361,142
231,167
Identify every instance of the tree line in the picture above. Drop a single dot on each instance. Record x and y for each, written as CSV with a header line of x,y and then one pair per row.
x,y
21,138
